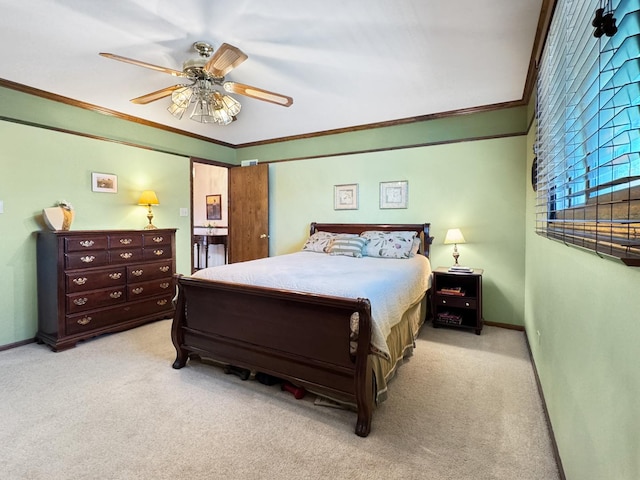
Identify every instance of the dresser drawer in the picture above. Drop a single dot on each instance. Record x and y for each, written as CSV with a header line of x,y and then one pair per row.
x,y
149,289
83,281
85,243
78,302
460,302
128,255
86,259
128,240
156,238
161,251
148,271
112,316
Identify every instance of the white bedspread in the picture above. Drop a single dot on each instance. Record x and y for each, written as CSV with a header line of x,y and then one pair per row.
x,y
391,285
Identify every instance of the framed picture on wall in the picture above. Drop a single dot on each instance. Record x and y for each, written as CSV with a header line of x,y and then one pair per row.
x,y
394,194
104,182
345,197
214,207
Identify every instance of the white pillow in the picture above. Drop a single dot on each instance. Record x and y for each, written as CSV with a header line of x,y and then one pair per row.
x,y
388,244
415,247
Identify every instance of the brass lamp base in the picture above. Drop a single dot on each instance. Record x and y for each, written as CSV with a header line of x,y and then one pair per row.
x,y
456,255
151,226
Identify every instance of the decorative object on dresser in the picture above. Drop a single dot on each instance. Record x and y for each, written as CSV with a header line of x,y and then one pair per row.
x,y
99,281
454,236
457,298
149,198
60,217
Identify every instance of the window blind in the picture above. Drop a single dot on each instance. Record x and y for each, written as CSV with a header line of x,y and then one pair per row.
x,y
588,131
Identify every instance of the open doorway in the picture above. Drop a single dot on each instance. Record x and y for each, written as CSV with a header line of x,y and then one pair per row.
x,y
209,207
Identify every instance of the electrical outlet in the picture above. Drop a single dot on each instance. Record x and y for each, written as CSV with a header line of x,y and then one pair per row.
x,y
184,212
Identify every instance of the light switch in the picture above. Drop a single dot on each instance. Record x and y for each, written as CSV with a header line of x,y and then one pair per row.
x,y
184,212
1,206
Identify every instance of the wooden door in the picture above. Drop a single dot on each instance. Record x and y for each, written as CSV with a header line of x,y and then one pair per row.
x,y
248,213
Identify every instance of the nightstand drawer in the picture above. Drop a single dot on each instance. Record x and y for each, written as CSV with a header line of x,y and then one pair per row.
x,y
459,302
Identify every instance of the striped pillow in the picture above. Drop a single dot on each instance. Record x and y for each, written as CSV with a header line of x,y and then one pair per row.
x,y
348,246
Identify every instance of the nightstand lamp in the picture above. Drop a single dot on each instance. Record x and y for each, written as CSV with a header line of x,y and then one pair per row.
x,y
149,198
454,235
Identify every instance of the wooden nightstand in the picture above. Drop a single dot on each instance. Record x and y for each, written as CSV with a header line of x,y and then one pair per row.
x,y
457,299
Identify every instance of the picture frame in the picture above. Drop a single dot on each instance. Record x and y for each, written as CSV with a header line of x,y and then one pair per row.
x,y
214,207
104,182
394,194
345,197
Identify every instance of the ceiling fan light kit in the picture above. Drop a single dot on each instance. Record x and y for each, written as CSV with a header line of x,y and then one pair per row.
x,y
206,73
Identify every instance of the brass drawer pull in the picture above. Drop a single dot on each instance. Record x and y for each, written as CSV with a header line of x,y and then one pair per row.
x,y
162,302
164,269
158,239
84,320
86,243
466,304
137,290
80,301
444,302
80,281
164,285
125,241
115,294
137,273
126,255
158,252
115,276
88,259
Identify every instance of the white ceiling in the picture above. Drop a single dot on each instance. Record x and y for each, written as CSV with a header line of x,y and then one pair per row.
x,y
345,62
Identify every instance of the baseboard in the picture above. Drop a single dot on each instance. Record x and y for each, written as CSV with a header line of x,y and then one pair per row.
x,y
554,445
9,346
510,326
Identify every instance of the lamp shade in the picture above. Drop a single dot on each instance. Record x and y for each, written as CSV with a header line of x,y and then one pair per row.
x,y
454,235
148,197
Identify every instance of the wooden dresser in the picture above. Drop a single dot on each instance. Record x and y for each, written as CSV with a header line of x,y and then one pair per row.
x,y
97,281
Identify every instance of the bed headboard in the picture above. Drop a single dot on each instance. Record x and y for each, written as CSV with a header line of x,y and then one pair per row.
x,y
422,229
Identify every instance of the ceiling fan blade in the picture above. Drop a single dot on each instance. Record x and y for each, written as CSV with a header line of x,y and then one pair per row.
x,y
170,71
225,59
258,93
157,95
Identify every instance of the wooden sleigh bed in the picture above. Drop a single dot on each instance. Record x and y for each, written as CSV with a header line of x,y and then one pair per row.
x,y
303,338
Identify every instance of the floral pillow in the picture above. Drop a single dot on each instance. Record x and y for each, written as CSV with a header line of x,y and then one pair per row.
x,y
319,242
388,244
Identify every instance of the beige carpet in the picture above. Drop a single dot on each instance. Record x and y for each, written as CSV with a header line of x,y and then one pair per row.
x,y
463,407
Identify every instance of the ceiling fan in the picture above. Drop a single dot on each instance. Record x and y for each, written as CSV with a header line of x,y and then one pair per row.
x,y
206,73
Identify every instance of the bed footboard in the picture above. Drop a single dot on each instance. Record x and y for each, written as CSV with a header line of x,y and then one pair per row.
x,y
300,337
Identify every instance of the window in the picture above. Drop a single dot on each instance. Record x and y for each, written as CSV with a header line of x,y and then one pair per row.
x,y
588,131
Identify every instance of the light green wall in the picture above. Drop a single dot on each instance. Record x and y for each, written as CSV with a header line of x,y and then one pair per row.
x,y
38,111
508,121
476,186
40,167
588,354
